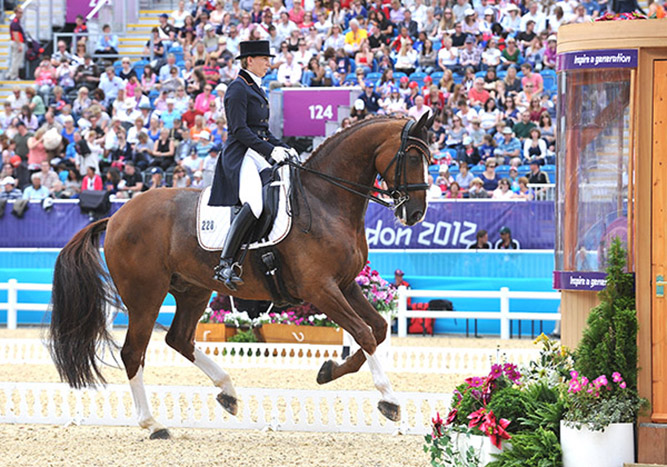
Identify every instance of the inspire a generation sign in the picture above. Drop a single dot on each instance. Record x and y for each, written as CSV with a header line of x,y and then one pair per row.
x,y
611,58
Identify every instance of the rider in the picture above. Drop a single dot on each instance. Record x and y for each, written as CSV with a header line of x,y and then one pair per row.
x,y
248,149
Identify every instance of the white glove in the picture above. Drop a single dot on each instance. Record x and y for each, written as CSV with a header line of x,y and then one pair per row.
x,y
293,153
279,154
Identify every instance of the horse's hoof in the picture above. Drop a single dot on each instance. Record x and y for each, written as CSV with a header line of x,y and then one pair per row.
x,y
325,374
160,434
390,410
229,403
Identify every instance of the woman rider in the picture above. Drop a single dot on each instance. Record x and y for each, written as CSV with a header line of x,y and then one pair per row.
x,y
249,148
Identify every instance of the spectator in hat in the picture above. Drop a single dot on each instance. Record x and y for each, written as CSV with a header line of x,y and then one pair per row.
x,y
399,280
18,46
204,144
9,190
20,171
481,241
511,55
166,31
509,147
156,180
506,242
197,180
550,53
370,98
359,111
536,175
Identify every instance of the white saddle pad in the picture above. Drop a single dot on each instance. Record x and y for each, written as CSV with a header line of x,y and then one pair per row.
x,y
213,221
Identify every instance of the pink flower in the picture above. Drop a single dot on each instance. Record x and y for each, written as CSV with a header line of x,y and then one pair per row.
x,y
451,417
600,381
474,381
616,377
574,374
496,371
622,385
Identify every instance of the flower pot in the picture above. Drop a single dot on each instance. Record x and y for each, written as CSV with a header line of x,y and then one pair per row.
x,y
482,446
213,332
612,447
292,334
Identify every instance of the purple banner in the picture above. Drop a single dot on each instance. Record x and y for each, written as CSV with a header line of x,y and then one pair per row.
x,y
613,58
447,225
580,280
78,7
306,111
455,224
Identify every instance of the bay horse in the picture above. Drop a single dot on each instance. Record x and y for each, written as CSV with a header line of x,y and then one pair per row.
x,y
151,249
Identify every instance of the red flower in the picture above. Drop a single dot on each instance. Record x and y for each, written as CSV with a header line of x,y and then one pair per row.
x,y
476,417
495,430
451,417
437,425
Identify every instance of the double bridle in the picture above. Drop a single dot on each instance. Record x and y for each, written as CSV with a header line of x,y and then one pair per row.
x,y
399,193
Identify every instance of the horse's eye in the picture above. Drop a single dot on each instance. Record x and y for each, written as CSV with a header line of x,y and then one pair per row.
x,y
414,159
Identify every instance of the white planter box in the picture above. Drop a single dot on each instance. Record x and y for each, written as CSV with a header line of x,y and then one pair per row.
x,y
612,447
482,446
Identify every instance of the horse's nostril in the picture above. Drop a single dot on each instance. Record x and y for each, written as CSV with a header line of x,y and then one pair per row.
x,y
416,216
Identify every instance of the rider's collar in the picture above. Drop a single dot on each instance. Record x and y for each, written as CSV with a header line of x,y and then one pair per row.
x,y
255,78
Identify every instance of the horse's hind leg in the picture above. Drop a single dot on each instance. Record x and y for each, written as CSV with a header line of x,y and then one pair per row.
x,y
143,308
330,370
335,304
190,304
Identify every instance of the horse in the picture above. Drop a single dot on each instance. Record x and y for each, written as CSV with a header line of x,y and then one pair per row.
x,y
151,249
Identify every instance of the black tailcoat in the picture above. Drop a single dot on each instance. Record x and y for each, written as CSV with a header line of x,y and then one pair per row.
x,y
247,109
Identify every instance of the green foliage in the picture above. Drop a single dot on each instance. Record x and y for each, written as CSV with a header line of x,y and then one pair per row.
x,y
243,336
621,408
609,342
443,448
538,448
509,403
544,408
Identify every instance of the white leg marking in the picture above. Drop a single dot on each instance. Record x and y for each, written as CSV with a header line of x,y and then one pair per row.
x,y
146,420
380,379
219,377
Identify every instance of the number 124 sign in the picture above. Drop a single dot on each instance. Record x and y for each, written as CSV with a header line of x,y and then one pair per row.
x,y
306,111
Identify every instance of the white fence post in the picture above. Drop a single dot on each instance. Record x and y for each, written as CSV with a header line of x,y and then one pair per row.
x,y
12,303
504,313
402,309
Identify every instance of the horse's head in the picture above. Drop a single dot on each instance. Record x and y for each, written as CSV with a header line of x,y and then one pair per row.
x,y
406,170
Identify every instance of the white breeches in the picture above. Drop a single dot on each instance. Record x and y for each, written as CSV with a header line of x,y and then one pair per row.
x,y
250,183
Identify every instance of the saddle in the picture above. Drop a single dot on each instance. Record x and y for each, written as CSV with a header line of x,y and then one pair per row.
x,y
272,226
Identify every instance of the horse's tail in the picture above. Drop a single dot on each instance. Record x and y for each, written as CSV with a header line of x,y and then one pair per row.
x,y
78,308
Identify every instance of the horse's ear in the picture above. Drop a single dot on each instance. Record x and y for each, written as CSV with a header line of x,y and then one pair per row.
x,y
422,124
429,122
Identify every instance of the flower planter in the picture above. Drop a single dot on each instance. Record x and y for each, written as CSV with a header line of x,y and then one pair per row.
x,y
482,446
612,447
292,334
214,332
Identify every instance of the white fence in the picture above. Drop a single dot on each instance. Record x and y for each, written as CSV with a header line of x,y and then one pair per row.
x,y
196,407
504,315
397,359
13,306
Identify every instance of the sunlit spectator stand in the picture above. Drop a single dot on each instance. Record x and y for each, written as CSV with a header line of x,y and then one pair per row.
x,y
612,181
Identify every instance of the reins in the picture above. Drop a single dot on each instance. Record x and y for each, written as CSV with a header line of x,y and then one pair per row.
x,y
399,194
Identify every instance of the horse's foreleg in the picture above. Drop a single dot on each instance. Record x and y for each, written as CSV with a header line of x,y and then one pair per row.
x,y
189,306
355,297
335,304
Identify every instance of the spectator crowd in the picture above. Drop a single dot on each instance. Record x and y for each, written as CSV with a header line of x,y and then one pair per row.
x,y
484,69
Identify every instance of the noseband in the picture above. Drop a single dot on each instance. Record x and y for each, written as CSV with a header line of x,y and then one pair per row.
x,y
399,193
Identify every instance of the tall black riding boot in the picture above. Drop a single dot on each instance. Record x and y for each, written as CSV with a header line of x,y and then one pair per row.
x,y
241,226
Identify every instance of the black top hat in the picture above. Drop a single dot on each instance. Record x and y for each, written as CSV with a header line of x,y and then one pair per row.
x,y
255,49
